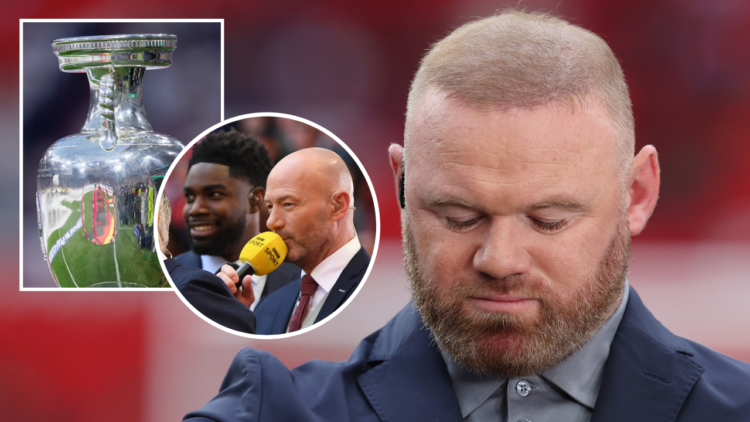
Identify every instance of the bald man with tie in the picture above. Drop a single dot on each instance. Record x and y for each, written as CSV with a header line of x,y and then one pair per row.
x,y
310,198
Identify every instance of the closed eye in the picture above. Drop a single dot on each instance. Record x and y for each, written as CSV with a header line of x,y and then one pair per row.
x,y
462,224
549,226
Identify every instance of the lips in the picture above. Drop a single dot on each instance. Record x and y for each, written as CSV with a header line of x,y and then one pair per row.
x,y
501,303
202,229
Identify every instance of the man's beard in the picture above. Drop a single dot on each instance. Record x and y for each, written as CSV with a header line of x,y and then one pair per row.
x,y
505,345
226,242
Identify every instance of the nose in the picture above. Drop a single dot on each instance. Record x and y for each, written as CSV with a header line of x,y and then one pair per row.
x,y
503,251
275,219
198,207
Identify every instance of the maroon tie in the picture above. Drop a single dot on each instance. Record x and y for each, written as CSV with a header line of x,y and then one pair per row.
x,y
307,288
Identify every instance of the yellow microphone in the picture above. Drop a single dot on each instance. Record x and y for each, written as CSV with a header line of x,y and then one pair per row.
x,y
261,255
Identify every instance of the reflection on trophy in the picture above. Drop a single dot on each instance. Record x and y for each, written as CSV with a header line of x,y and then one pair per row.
x,y
96,189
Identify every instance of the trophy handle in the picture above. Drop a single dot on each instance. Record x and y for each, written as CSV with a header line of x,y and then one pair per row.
x,y
108,139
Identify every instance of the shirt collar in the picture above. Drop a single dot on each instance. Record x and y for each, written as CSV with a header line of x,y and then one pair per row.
x,y
471,389
212,263
580,375
328,271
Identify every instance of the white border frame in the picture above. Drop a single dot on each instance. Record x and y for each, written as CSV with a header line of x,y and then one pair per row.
x,y
374,201
20,140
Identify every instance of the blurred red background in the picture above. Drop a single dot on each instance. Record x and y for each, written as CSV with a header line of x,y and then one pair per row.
x,y
91,356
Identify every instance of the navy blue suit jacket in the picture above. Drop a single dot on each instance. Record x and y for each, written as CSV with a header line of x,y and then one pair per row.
x,y
280,277
397,374
211,297
275,310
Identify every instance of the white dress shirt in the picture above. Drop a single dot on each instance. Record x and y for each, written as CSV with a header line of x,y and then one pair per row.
x,y
326,274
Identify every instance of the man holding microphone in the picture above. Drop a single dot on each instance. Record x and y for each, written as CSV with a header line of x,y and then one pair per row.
x,y
309,195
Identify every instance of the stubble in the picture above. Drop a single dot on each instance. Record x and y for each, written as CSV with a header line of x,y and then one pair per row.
x,y
505,345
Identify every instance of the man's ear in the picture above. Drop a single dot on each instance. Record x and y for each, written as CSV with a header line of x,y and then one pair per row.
x,y
396,156
342,202
255,199
643,188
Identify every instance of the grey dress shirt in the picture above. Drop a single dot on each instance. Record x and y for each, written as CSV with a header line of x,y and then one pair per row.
x,y
566,392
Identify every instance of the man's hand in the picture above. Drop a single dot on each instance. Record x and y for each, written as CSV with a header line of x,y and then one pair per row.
x,y
245,293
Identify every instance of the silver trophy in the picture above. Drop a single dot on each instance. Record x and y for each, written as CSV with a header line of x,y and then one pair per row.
x,y
96,189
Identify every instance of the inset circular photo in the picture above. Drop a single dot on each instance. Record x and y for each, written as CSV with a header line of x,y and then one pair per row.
x,y
267,225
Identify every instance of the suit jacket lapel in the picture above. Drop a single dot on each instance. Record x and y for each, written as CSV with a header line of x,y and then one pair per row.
x,y
347,282
412,382
648,374
285,308
280,277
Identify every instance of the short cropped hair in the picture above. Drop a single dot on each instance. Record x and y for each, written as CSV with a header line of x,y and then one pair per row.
x,y
517,59
246,158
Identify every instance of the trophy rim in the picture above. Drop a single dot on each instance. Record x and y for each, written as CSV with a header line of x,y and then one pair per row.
x,y
116,37
77,54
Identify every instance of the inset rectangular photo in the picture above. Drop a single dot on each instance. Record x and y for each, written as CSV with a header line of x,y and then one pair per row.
x,y
106,106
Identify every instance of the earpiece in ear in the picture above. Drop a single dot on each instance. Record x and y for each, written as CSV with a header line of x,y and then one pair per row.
x,y
335,204
401,198
333,201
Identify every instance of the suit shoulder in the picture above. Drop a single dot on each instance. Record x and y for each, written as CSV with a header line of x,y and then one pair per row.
x,y
258,384
190,259
721,391
711,359
720,367
182,274
241,391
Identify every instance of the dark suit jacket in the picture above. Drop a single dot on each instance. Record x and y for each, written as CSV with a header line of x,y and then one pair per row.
x,y
274,311
211,297
397,374
280,277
